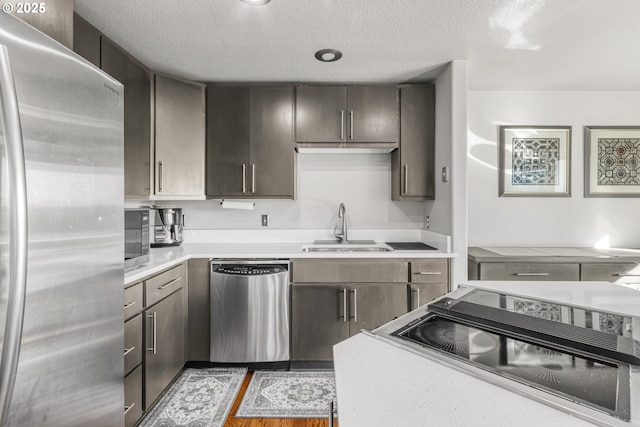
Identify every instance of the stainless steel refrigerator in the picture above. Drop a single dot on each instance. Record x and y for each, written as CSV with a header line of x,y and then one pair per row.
x,y
61,235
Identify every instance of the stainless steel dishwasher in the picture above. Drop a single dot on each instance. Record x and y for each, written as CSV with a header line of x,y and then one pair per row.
x,y
249,310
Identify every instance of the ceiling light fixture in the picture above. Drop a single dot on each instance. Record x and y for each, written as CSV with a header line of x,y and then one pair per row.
x,y
328,55
256,2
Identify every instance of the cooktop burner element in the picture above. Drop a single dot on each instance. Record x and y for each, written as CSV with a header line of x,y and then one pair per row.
x,y
410,246
595,383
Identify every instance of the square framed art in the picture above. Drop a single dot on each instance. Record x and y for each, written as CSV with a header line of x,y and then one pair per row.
x,y
612,161
535,161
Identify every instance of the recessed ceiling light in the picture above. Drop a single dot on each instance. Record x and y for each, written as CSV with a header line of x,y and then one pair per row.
x,y
328,55
256,2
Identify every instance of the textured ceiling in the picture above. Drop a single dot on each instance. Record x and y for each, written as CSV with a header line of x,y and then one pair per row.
x,y
509,44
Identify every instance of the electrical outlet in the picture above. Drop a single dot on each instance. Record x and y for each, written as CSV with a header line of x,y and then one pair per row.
x,y
426,222
265,220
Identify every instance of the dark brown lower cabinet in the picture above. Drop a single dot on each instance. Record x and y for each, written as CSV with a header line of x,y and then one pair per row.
x,y
133,397
165,344
325,314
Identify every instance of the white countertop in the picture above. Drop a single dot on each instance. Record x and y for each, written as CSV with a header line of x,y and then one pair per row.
x,y
163,258
380,383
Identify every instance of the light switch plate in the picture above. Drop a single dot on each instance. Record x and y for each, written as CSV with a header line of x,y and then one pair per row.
x,y
265,220
445,174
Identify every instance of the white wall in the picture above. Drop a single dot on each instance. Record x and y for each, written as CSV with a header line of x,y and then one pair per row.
x,y
361,181
574,221
448,212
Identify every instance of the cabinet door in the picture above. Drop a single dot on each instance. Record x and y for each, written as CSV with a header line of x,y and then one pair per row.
x,y
227,140
374,304
179,138
617,273
321,114
272,148
86,40
413,163
423,293
318,320
137,118
372,114
133,397
165,343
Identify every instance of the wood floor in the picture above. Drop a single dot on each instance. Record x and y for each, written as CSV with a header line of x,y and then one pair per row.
x,y
232,421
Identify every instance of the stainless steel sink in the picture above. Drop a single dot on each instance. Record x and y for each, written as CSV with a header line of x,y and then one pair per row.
x,y
352,246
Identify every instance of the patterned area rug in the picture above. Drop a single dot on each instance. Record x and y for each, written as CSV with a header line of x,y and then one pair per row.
x,y
282,394
200,397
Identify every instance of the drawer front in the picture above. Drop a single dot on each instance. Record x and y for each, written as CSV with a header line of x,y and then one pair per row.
x,y
431,271
529,271
133,302
132,343
617,273
164,284
133,397
350,270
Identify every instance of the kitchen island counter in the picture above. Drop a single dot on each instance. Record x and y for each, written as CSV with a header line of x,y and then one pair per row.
x,y
380,382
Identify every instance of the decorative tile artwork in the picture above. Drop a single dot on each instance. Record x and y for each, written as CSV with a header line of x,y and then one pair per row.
x,y
542,310
611,323
618,161
535,161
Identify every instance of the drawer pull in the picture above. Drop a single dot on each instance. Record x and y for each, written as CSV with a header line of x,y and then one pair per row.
x,y
129,304
128,408
154,318
129,350
626,275
429,273
532,274
169,284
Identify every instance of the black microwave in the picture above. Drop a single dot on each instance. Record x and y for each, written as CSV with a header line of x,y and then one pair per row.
x,y
136,237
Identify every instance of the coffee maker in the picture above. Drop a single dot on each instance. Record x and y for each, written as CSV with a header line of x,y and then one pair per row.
x,y
165,223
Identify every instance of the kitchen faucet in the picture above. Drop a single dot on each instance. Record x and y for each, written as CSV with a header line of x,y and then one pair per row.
x,y
342,234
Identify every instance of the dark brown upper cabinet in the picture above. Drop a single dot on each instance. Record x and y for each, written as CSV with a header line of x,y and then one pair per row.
x,y
413,164
250,144
350,115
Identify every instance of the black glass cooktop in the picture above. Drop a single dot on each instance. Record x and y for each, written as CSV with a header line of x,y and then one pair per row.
x,y
469,329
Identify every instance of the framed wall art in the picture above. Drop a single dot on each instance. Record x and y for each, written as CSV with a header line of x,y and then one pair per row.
x,y
612,161
535,161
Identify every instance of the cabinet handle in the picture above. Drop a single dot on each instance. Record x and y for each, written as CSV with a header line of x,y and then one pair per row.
x,y
129,304
344,305
128,408
244,178
625,275
169,284
129,350
160,177
415,302
351,124
532,274
406,179
341,124
429,273
154,318
355,306
253,178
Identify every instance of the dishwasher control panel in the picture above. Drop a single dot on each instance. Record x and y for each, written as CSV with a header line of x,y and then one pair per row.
x,y
247,270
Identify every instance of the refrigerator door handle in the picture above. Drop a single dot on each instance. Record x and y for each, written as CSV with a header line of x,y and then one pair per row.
x,y
17,235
